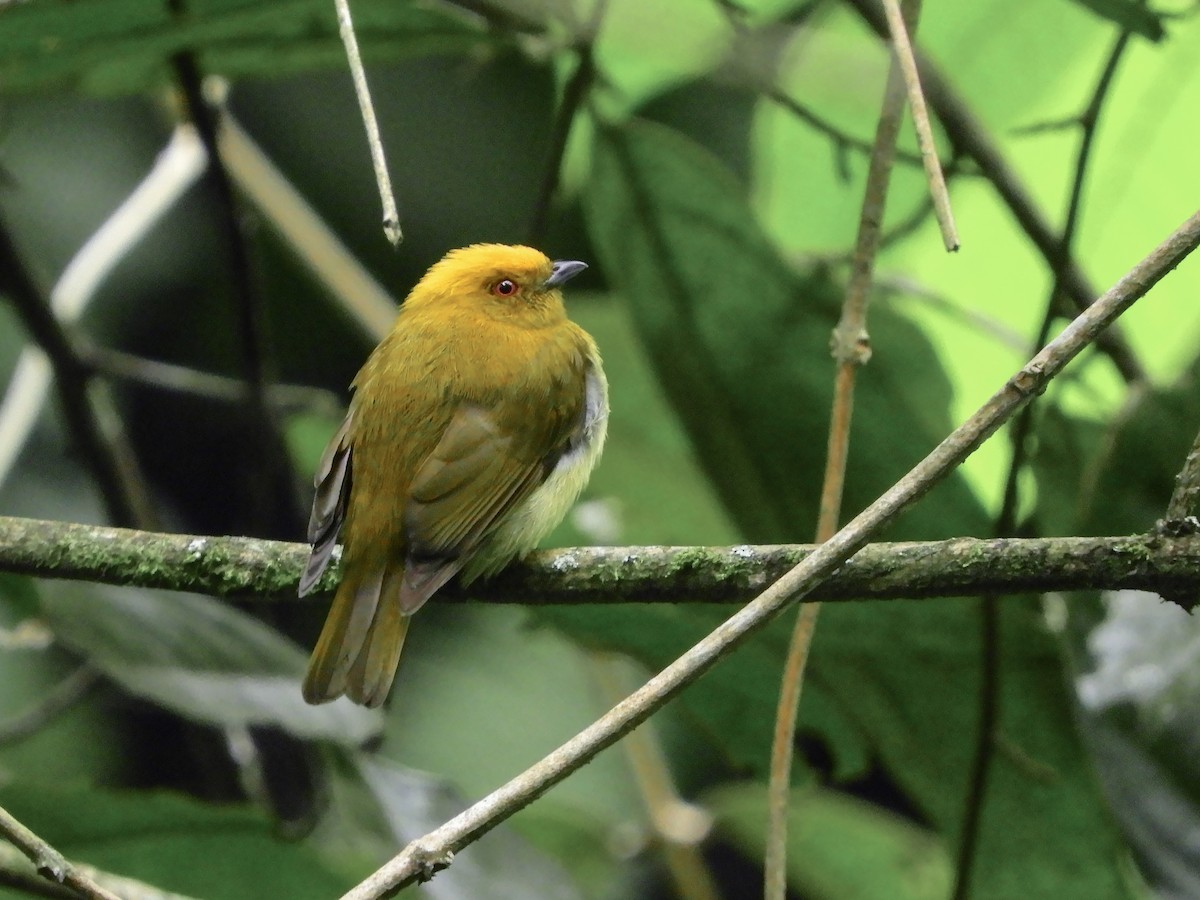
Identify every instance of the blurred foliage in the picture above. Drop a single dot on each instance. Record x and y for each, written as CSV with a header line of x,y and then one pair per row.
x,y
717,222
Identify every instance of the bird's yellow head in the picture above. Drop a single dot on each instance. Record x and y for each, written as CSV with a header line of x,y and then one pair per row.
x,y
507,281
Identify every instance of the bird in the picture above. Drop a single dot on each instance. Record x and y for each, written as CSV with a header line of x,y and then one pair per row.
x,y
472,428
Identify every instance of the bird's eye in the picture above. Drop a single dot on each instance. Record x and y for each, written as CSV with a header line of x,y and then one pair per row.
x,y
504,288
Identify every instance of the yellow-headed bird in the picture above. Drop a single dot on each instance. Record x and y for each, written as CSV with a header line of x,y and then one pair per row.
x,y
473,427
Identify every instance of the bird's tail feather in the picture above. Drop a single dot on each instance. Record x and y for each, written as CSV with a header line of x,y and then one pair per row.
x,y
359,647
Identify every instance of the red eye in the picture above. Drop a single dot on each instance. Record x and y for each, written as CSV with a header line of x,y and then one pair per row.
x,y
505,288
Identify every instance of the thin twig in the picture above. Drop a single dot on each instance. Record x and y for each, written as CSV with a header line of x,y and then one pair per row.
x,y
177,167
50,864
115,473
841,139
851,347
241,566
57,700
16,872
391,217
357,291
899,288
423,857
277,504
572,99
1006,521
916,101
969,138
164,376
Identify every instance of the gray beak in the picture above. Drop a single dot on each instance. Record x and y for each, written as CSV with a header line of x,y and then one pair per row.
x,y
564,270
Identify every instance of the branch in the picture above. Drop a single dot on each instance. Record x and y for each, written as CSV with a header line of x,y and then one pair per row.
x,y
574,94
173,378
851,347
50,864
114,471
277,508
241,566
916,101
391,217
17,873
53,702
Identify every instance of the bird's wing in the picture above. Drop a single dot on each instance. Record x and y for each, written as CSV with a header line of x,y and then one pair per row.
x,y
332,482
474,477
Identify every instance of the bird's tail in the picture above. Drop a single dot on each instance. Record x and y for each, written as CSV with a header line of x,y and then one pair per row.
x,y
360,644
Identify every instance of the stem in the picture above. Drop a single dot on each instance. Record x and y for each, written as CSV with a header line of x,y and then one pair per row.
x,y
391,217
851,348
916,100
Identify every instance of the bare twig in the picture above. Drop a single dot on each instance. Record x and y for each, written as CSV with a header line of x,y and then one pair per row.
x,y
425,856
277,507
573,95
851,348
391,217
57,700
177,167
115,473
841,139
916,101
152,373
50,864
16,872
1006,521
315,245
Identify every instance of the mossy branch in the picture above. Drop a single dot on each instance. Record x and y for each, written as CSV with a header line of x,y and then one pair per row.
x,y
239,566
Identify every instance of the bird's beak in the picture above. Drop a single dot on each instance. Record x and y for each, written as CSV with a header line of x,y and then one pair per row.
x,y
563,271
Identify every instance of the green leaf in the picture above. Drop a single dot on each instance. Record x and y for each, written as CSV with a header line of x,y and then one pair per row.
x,y
126,45
172,842
200,658
1131,15
838,846
741,346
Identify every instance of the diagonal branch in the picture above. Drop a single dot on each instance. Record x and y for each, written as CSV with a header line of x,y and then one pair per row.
x,y
422,858
115,473
50,864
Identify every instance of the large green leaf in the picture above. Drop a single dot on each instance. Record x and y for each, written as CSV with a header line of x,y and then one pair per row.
x,y
172,842
740,344
203,659
126,45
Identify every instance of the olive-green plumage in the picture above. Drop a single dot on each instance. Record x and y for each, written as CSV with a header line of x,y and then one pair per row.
x,y
473,427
